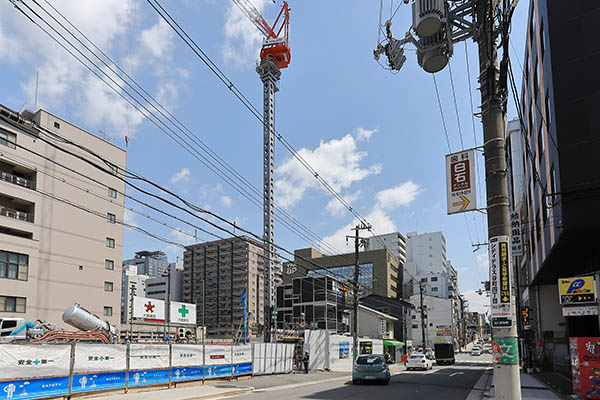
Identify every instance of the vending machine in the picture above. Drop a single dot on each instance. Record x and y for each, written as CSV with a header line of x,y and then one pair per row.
x,y
585,366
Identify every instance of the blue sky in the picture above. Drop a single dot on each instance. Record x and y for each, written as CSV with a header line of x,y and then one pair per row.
x,y
376,137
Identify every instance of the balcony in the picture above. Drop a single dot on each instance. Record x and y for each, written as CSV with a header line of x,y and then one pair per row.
x,y
17,175
20,215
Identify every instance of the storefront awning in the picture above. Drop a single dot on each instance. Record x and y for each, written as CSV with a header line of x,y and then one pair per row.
x,y
392,343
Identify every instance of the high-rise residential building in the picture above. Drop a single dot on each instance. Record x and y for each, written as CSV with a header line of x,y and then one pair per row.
x,y
394,242
379,270
151,263
59,236
426,253
133,284
559,202
215,275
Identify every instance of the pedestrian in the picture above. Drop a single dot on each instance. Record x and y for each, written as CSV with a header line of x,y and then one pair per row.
x,y
305,360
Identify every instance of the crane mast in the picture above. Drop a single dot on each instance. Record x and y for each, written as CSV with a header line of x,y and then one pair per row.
x,y
274,55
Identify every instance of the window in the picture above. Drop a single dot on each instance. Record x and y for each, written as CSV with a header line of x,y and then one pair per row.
x,y
434,279
107,311
423,279
110,242
414,317
56,125
542,39
13,304
8,138
14,265
108,286
111,218
434,289
112,193
113,168
541,146
81,267
109,264
415,326
548,117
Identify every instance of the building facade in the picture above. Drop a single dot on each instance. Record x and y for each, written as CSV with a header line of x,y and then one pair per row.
x,y
60,239
426,253
133,284
559,199
151,263
215,275
397,308
438,312
379,270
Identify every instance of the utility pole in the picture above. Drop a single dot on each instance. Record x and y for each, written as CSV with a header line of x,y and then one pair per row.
x,y
358,241
422,317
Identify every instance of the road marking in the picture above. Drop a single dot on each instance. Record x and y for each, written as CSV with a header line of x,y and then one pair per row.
x,y
457,373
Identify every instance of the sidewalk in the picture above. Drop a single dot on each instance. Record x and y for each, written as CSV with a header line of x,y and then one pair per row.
x,y
531,388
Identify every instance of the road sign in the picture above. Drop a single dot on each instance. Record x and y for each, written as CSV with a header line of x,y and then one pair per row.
x,y
182,313
577,290
500,288
460,182
515,233
148,309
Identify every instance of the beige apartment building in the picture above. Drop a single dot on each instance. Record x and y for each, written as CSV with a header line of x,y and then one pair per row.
x,y
60,242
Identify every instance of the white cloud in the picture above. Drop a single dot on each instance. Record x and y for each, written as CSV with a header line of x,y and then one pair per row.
x,y
478,303
182,236
181,177
482,260
401,195
338,162
128,217
158,40
226,201
242,39
364,134
335,207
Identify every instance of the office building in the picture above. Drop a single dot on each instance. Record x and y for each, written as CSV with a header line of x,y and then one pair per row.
x,y
215,275
394,242
151,263
559,202
170,284
60,239
133,284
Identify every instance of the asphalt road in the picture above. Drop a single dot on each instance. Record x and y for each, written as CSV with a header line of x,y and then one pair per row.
x,y
444,382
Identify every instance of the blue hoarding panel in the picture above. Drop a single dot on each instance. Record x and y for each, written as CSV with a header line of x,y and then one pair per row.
x,y
98,381
34,388
217,371
180,374
148,377
242,369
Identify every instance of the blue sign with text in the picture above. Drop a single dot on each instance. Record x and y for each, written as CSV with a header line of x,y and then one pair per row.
x,y
98,381
34,388
217,371
148,377
180,374
242,369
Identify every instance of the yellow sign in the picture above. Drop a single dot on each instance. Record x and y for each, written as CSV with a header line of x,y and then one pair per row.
x,y
577,290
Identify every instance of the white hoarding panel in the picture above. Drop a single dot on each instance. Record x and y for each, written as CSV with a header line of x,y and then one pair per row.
x,y
500,288
100,357
460,182
30,361
289,357
218,355
242,354
269,358
515,233
182,313
148,356
186,355
148,309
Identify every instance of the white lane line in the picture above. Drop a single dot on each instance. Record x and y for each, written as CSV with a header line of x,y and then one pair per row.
x,y
457,373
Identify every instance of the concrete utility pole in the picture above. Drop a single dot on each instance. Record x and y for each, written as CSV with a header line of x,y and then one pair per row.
x,y
493,113
358,241
422,317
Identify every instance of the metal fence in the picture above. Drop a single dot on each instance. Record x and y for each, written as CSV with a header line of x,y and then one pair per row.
x,y
49,370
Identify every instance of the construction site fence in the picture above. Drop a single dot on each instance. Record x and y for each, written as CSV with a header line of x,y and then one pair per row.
x,y
36,371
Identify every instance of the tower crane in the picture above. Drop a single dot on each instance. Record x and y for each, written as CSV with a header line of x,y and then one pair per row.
x,y
274,55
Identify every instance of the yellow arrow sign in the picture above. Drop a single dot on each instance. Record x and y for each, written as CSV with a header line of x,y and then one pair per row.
x,y
464,203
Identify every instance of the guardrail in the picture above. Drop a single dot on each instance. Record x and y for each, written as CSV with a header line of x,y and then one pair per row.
x,y
32,371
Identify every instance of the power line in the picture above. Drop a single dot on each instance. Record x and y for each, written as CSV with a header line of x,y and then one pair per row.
x,y
437,93
462,143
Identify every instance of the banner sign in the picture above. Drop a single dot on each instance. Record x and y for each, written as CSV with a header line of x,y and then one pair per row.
x,y
515,233
344,350
180,374
148,309
217,371
505,350
98,381
35,388
100,357
500,288
525,322
242,354
577,290
576,311
443,334
460,182
218,355
148,356
25,361
182,313
148,377
184,355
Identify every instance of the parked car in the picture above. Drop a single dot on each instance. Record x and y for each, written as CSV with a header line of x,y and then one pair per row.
x,y
418,361
371,368
476,351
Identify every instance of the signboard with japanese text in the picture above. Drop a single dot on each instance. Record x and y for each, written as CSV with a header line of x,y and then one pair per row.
x,y
35,388
460,182
184,355
577,290
148,356
525,321
22,361
516,238
100,357
577,311
182,313
443,334
148,309
500,288
91,382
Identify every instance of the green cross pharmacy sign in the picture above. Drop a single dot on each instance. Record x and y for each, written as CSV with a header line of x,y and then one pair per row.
x,y
182,313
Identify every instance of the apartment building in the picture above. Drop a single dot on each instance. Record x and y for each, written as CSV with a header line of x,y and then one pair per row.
x,y
426,253
59,236
215,275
